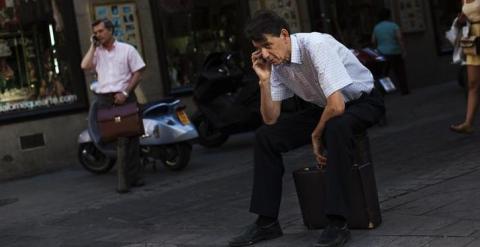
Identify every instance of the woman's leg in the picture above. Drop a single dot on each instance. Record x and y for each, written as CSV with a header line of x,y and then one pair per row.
x,y
473,72
473,85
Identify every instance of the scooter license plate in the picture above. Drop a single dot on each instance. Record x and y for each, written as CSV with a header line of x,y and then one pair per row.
x,y
182,116
387,84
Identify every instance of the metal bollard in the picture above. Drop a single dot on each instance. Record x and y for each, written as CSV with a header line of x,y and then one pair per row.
x,y
121,158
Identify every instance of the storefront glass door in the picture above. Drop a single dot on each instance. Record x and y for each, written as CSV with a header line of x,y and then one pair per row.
x,y
191,30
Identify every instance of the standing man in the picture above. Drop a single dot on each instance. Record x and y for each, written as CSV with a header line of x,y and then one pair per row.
x,y
322,71
389,40
119,67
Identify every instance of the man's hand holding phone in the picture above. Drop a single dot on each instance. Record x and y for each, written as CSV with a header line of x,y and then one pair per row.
x,y
261,66
94,40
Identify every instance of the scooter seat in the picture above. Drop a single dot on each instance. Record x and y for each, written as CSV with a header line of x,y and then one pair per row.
x,y
150,104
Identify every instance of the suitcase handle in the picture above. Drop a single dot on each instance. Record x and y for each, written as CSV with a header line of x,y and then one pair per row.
x,y
314,168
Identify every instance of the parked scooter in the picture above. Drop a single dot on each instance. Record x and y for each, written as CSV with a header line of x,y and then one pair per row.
x,y
168,132
228,101
377,64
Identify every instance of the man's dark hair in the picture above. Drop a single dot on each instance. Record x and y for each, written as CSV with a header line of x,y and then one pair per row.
x,y
108,24
384,14
265,22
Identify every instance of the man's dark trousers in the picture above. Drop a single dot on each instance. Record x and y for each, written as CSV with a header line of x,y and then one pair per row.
x,y
397,63
133,167
295,131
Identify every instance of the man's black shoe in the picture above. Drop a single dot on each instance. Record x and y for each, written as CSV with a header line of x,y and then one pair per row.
x,y
255,233
333,236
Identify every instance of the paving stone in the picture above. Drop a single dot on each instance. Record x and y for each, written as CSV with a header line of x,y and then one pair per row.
x,y
373,241
450,242
474,243
410,241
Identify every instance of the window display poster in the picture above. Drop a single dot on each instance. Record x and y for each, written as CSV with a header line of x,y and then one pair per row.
x,y
288,9
124,18
411,15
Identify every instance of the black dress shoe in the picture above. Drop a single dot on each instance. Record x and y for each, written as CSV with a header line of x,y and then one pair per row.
x,y
333,236
255,233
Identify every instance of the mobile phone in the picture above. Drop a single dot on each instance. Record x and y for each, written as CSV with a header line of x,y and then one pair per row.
x,y
263,60
95,40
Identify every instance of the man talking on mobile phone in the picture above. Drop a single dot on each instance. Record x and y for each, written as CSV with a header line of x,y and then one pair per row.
x,y
119,68
322,71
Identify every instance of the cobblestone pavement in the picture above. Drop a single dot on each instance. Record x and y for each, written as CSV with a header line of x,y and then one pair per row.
x,y
428,181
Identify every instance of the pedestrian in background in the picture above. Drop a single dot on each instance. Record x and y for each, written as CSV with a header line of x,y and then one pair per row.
x,y
118,66
471,13
322,71
388,39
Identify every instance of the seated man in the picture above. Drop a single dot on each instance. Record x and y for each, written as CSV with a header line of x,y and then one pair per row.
x,y
324,72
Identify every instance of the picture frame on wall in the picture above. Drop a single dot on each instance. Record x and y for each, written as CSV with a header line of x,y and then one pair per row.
x,y
124,16
411,15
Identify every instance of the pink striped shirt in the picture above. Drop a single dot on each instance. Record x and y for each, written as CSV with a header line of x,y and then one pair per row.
x,y
116,67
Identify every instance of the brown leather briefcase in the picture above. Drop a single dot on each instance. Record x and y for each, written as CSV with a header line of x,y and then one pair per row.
x,y
365,208
119,121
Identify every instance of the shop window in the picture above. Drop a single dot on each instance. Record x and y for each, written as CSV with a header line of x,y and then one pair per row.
x,y
350,21
38,62
354,21
191,31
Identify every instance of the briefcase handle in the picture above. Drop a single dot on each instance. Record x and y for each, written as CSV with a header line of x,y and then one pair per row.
x,y
314,167
321,167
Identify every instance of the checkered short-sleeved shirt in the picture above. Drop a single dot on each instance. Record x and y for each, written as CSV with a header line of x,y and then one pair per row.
x,y
318,67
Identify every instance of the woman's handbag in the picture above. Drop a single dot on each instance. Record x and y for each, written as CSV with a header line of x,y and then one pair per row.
x,y
470,45
119,121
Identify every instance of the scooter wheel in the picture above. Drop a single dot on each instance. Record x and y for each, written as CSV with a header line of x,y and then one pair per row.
x,y
177,156
208,136
93,160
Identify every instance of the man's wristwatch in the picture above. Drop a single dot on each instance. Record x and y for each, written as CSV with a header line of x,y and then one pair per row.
x,y
124,92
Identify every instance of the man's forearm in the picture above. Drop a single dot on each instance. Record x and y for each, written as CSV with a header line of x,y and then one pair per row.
x,y
268,108
134,81
327,114
335,107
87,61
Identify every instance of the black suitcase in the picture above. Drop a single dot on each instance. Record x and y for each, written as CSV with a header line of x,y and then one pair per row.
x,y
365,208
